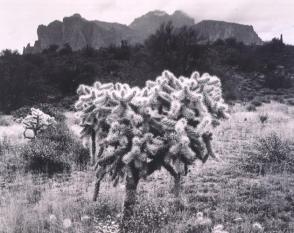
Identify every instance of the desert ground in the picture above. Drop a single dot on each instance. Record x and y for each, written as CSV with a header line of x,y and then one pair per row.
x,y
248,188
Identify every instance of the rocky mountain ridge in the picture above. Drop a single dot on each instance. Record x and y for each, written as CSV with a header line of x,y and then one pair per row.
x,y
79,32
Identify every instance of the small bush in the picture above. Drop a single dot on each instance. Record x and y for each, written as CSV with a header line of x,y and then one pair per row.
x,y
263,118
256,103
54,151
44,107
251,108
5,120
270,154
290,102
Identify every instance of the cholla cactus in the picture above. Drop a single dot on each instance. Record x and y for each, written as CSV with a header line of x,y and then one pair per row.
x,y
37,121
168,123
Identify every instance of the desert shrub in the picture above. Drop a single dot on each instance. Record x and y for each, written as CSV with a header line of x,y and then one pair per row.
x,y
266,100
44,107
290,102
263,118
256,103
270,154
54,150
278,80
67,103
251,108
81,156
36,122
51,110
21,112
5,120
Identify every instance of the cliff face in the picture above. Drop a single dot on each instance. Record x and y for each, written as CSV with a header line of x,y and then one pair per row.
x,y
211,30
79,32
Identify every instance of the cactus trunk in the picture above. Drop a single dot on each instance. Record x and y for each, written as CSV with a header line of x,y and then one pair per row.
x,y
130,198
177,185
96,190
93,146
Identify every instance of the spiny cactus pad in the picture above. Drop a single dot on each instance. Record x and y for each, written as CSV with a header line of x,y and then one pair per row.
x,y
168,122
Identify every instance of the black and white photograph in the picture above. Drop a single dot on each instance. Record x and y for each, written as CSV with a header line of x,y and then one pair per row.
x,y
158,116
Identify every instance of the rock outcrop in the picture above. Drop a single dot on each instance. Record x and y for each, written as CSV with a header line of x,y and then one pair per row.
x,y
211,31
80,33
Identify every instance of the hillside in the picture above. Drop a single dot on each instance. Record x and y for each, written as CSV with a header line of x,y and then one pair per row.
x,y
248,72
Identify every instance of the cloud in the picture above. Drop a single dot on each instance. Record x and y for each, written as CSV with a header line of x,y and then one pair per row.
x,y
19,19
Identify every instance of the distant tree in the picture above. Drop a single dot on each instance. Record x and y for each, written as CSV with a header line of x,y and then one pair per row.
x,y
172,47
52,49
66,49
89,51
9,52
219,42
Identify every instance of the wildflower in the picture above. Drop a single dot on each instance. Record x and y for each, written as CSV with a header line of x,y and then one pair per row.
x,y
257,227
219,229
67,223
201,220
85,218
52,218
238,219
199,215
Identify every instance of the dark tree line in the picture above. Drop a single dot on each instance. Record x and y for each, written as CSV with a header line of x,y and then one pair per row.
x,y
56,72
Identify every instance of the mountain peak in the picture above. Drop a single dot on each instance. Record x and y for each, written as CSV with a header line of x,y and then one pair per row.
x,y
156,13
181,13
150,22
76,15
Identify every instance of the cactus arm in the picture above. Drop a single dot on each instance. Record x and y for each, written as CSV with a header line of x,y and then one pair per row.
x,y
170,169
207,138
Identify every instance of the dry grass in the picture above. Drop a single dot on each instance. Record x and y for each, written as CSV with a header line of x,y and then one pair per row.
x,y
223,192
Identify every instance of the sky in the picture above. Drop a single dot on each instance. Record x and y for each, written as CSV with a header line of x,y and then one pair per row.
x,y
19,19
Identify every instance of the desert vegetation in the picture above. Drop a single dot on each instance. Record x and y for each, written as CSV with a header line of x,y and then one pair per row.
x,y
249,188
137,131
258,73
146,161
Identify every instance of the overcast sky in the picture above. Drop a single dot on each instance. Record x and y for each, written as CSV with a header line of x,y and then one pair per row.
x,y
19,19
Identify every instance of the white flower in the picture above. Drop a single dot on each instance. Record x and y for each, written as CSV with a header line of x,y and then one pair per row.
x,y
85,218
238,219
257,227
199,215
201,220
66,223
52,218
218,227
